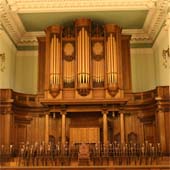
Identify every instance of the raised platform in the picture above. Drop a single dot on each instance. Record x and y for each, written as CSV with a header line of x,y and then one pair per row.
x,y
129,167
163,164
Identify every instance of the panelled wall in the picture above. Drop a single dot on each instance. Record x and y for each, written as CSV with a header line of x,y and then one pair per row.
x,y
27,122
146,114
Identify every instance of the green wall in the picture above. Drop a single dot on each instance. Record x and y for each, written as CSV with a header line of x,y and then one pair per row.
x,y
26,72
162,73
21,67
142,69
7,47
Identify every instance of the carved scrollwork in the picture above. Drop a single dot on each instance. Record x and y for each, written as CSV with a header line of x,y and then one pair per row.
x,y
83,89
54,90
98,50
113,89
68,51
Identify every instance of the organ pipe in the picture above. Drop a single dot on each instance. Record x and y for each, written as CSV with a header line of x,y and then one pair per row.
x,y
53,56
83,55
111,59
55,61
105,65
68,71
112,39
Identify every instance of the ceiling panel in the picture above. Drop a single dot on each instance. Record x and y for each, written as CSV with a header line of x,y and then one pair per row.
x,y
125,19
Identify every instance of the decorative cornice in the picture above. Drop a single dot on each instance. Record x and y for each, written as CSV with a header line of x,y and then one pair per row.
x,y
11,22
156,18
138,36
30,38
77,5
9,10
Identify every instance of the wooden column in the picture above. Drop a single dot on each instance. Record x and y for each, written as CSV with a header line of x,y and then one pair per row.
x,y
63,127
46,128
105,127
162,133
7,128
122,128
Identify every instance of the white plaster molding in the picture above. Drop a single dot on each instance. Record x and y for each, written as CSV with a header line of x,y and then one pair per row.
x,y
26,6
156,18
9,10
11,23
138,35
30,38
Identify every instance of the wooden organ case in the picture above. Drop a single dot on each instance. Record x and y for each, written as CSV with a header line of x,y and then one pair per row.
x,y
84,69
83,60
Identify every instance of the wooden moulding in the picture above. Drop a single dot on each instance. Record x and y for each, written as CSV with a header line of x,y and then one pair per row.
x,y
113,89
54,90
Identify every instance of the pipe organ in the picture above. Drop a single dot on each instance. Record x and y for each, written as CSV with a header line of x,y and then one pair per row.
x,y
113,35
82,58
54,55
83,55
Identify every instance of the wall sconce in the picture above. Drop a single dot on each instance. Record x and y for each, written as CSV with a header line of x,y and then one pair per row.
x,y
2,62
166,56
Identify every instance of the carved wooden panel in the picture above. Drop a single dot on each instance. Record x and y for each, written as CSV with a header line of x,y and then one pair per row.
x,y
85,135
41,64
167,127
21,133
149,132
126,69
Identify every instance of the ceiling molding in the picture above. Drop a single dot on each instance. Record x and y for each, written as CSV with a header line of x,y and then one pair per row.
x,y
9,18
26,6
138,35
156,18
11,22
30,38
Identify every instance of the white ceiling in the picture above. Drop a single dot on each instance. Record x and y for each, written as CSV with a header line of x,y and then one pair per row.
x,y
11,10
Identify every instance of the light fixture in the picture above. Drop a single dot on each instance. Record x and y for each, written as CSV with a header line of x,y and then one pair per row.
x,y
2,62
166,56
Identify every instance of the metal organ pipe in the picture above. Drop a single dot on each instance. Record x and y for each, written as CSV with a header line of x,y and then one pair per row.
x,y
83,28
108,59
54,60
79,57
111,58
82,55
51,62
115,61
54,53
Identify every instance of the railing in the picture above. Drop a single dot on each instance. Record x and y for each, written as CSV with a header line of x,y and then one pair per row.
x,y
141,97
27,99
99,154
133,98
